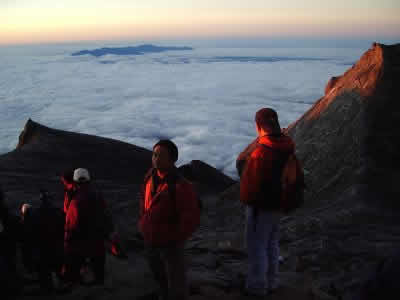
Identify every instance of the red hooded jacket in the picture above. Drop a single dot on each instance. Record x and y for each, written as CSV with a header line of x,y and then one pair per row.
x,y
262,170
83,232
165,221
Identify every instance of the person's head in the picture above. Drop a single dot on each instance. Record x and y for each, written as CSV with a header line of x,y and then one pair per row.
x,y
165,155
81,176
267,122
24,210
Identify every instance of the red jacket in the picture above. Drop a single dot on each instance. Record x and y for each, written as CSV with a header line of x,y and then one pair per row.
x,y
165,221
68,190
85,212
260,178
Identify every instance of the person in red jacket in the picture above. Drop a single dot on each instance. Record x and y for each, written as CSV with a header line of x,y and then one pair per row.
x,y
169,214
260,168
84,233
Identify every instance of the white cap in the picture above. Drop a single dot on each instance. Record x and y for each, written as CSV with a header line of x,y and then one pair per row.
x,y
81,175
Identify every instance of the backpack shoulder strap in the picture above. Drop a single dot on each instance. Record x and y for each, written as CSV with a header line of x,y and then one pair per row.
x,y
148,174
266,147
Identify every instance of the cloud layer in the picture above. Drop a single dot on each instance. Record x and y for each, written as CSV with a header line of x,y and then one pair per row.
x,y
204,100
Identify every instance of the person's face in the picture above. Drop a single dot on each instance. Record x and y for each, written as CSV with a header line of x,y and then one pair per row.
x,y
258,129
161,159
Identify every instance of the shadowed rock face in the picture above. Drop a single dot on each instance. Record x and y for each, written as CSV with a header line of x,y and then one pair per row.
x,y
48,151
348,140
349,145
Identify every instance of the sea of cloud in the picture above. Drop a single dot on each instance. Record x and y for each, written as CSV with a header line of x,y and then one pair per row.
x,y
204,100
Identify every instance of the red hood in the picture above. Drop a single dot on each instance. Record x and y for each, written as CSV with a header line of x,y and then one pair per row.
x,y
281,143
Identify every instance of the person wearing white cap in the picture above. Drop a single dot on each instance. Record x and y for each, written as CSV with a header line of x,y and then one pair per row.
x,y
84,235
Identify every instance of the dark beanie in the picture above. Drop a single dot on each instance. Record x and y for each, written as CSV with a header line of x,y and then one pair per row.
x,y
171,148
267,117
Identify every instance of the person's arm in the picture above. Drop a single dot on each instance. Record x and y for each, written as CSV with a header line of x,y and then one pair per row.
x,y
141,198
244,156
72,220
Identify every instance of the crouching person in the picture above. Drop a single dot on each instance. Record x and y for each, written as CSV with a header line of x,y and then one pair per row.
x,y
169,214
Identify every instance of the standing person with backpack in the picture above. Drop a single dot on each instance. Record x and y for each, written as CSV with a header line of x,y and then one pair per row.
x,y
169,214
84,229
261,166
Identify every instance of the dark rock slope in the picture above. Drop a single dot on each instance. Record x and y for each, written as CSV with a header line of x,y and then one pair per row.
x,y
349,145
348,140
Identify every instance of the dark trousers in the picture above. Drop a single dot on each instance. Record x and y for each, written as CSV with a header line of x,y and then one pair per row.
x,y
50,260
168,267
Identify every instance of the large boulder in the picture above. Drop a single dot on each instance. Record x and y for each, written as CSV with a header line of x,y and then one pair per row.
x,y
348,141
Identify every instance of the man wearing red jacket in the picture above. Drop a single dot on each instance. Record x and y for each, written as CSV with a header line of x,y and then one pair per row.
x,y
169,214
84,233
260,168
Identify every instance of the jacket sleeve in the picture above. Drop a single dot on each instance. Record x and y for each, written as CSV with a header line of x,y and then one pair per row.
x,y
68,189
243,157
140,197
189,210
72,222
255,175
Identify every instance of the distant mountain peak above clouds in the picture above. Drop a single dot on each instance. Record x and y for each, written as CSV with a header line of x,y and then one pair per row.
x,y
137,50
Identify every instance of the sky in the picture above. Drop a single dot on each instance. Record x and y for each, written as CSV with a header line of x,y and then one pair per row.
x,y
49,21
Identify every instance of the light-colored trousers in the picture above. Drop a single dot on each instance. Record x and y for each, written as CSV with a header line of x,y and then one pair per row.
x,y
262,237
